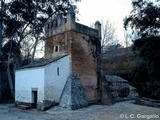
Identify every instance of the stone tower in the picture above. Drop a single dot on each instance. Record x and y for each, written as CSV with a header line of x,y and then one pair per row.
x,y
82,43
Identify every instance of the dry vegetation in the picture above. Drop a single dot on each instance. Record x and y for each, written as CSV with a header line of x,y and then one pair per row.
x,y
118,61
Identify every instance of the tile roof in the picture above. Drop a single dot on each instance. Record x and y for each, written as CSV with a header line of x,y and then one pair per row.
x,y
42,62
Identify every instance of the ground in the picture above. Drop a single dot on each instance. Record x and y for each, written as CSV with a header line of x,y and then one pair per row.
x,y
93,112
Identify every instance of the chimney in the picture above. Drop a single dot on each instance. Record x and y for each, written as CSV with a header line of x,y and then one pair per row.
x,y
98,27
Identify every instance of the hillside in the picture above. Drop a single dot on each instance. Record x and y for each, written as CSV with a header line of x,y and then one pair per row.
x,y
118,61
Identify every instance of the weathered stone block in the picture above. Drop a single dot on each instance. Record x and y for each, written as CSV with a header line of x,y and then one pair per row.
x,y
73,94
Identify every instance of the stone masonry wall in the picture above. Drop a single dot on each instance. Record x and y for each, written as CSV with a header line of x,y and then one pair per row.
x,y
84,63
83,57
63,40
83,44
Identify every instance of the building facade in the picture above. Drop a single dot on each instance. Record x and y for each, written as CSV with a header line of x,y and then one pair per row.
x,y
42,82
64,35
72,51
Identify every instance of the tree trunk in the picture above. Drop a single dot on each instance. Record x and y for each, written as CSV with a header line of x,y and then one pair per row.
x,y
34,49
35,35
0,85
2,3
10,77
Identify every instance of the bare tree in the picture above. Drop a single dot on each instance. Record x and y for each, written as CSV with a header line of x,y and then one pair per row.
x,y
108,33
128,38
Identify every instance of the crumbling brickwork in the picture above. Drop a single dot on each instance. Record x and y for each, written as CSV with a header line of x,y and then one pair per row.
x,y
83,44
63,40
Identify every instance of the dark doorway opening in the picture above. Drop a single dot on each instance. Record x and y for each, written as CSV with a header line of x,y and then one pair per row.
x,y
34,98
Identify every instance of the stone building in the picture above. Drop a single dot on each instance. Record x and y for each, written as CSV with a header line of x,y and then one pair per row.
x,y
71,50
83,44
42,81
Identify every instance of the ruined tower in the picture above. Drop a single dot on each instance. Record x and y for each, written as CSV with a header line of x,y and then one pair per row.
x,y
82,43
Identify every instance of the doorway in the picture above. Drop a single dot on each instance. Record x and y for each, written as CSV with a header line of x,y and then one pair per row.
x,y
34,98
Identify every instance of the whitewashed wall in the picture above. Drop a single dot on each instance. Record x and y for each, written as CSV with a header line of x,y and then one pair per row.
x,y
26,79
44,79
54,83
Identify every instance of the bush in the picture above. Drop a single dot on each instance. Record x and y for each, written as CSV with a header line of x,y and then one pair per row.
x,y
146,76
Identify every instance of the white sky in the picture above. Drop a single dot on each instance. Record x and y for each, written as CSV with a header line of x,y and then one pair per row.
x,y
113,10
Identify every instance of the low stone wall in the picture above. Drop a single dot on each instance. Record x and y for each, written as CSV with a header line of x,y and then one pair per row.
x,y
148,102
116,89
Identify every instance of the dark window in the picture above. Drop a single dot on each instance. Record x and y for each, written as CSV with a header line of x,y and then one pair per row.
x,y
58,71
56,48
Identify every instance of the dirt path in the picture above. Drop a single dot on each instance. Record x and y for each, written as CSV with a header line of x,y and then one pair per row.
x,y
95,112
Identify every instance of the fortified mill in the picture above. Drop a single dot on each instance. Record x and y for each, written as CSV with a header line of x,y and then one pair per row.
x,y
72,51
82,43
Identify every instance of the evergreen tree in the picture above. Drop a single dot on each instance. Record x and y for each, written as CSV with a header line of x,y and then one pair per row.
x,y
145,20
20,19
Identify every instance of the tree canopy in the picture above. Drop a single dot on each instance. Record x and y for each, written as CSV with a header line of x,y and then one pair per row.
x,y
145,21
21,24
29,18
144,18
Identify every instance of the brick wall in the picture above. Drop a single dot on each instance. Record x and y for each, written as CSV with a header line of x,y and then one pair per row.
x,y
84,52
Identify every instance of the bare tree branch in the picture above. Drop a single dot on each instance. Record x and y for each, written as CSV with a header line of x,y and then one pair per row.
x,y
108,33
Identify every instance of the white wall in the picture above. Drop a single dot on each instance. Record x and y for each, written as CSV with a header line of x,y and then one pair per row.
x,y
26,79
54,84
44,79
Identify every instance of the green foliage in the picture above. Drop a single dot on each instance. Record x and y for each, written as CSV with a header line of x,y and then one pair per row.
x,y
23,19
20,13
145,20
20,19
148,48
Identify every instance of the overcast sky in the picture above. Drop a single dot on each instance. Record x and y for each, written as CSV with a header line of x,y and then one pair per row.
x,y
113,10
